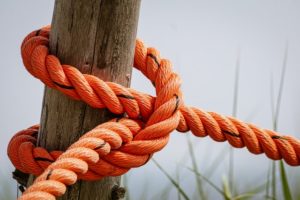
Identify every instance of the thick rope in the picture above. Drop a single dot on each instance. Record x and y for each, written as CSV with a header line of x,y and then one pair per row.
x,y
127,142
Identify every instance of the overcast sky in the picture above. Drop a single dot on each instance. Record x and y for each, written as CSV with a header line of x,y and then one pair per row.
x,y
202,38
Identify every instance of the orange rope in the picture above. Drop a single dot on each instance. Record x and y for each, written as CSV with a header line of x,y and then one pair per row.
x,y
127,142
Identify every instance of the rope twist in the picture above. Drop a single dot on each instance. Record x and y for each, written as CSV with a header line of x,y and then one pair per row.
x,y
114,147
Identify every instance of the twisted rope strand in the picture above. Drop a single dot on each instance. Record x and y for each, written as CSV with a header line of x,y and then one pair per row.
x,y
114,147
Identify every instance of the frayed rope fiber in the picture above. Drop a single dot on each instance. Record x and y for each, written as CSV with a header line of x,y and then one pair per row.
x,y
128,142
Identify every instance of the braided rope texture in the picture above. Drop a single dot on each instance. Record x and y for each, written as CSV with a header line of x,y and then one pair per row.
x,y
114,147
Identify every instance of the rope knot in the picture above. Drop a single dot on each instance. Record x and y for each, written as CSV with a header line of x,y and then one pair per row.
x,y
114,147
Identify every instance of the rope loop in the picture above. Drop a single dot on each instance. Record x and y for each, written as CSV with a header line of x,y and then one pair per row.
x,y
128,142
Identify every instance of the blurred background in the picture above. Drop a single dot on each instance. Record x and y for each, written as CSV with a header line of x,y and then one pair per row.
x,y
232,56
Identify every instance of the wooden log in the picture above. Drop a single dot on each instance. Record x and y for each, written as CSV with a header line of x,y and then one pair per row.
x,y
97,37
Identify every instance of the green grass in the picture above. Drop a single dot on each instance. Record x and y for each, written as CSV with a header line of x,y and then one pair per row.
x,y
234,114
275,115
227,190
200,189
171,179
217,162
178,181
284,182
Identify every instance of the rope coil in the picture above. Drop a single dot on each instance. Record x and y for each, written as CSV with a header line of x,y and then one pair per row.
x,y
112,148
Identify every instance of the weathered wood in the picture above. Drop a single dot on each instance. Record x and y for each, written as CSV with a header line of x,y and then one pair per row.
x,y
97,37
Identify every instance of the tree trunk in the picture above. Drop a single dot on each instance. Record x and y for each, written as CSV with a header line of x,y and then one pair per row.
x,y
97,37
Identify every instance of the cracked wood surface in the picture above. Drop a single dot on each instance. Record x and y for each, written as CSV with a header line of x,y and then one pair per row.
x,y
97,37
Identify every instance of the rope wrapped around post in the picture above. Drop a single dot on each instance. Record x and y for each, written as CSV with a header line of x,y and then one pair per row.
x,y
112,148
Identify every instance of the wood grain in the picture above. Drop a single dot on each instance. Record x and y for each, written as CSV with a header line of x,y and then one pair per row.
x,y
97,37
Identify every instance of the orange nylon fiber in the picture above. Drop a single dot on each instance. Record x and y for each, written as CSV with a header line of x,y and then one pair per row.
x,y
112,148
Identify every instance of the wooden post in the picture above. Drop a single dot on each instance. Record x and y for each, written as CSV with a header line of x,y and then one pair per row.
x,y
97,37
